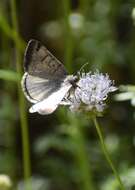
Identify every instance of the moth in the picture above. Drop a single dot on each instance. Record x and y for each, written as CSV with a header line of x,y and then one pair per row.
x,y
45,82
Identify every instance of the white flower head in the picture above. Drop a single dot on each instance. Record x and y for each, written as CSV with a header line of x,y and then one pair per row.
x,y
91,92
5,182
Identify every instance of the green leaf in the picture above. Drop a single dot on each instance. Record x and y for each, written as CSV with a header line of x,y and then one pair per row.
x,y
9,75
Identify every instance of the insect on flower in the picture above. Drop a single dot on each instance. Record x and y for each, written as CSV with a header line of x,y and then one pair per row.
x,y
45,81
47,85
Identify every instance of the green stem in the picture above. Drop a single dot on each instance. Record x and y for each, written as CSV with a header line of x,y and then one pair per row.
x,y
105,151
82,157
69,41
84,5
23,116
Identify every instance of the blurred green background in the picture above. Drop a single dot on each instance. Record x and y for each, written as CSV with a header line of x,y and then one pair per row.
x,y
64,149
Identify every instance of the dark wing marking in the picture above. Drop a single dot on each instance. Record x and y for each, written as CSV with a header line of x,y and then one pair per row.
x,y
38,61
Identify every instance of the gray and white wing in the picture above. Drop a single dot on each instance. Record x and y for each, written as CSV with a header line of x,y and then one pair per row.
x,y
44,74
49,105
38,61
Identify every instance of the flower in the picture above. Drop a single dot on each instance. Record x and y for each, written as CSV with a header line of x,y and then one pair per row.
x,y
91,92
5,182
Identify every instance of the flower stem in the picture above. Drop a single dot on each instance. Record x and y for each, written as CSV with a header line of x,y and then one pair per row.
x,y
105,151
23,117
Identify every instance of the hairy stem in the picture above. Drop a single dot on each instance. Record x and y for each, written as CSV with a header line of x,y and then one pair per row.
x,y
105,151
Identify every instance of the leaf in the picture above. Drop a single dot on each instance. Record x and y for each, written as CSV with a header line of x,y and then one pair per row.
x,y
9,75
11,33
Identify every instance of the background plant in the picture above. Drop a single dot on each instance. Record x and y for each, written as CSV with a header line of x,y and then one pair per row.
x,y
99,32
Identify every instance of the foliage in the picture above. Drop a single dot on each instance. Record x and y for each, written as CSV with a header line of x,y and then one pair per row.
x,y
64,148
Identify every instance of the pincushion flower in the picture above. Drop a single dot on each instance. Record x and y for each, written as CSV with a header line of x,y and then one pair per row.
x,y
89,96
91,92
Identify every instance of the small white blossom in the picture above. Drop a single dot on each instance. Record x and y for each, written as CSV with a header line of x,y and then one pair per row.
x,y
5,182
91,92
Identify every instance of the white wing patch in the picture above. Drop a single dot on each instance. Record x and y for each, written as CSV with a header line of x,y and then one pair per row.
x,y
34,85
49,105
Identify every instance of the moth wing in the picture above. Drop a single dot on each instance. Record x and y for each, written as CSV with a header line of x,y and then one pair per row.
x,y
44,74
38,61
49,105
37,89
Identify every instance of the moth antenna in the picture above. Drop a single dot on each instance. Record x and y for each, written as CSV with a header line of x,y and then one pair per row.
x,y
81,69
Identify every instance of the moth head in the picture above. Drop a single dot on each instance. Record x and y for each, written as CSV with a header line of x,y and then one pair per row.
x,y
72,80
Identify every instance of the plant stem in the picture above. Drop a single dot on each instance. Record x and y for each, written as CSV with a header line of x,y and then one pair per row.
x,y
69,41
23,116
86,182
84,5
105,151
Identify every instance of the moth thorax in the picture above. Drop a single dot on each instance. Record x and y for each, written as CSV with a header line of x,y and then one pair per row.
x,y
72,80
